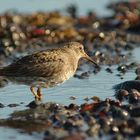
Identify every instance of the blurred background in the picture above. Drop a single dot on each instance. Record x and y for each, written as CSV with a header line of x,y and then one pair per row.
x,y
46,5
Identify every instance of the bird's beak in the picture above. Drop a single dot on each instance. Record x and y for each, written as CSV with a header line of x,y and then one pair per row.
x,y
89,59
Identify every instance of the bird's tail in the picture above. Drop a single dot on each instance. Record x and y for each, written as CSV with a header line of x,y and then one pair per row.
x,y
3,79
1,72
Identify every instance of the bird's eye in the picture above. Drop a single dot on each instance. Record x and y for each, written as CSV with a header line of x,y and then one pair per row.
x,y
80,48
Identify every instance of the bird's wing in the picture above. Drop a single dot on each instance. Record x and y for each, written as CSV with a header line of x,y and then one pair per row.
x,y
43,63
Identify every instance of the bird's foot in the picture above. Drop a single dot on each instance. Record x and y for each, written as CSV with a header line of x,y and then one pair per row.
x,y
37,95
39,98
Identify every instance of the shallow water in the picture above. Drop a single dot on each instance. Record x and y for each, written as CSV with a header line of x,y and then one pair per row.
x,y
96,85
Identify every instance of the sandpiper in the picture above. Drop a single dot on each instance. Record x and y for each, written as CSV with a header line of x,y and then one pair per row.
x,y
46,68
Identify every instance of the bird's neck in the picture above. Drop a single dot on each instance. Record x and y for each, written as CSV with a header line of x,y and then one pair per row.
x,y
71,52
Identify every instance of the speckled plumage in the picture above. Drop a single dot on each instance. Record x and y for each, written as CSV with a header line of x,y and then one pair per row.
x,y
46,68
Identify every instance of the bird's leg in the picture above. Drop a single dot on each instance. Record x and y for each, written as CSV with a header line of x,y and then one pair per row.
x,y
39,93
34,93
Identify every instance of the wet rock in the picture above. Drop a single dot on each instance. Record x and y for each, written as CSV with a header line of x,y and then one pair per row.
x,y
48,136
137,71
95,98
3,82
69,125
86,99
21,102
72,10
117,137
96,69
132,65
134,96
78,76
2,105
135,112
122,68
138,77
128,85
85,74
114,129
59,133
132,123
52,106
121,94
74,137
72,107
119,113
72,97
94,130
106,123
127,131
33,104
13,105
90,120
109,70
86,107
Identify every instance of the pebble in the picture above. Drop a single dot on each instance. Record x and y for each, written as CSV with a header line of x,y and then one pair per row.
x,y
72,107
94,130
74,137
109,70
122,68
128,85
119,113
72,97
95,98
33,104
137,71
85,75
3,82
86,99
2,105
121,94
135,112
117,137
13,105
134,96
94,119
138,77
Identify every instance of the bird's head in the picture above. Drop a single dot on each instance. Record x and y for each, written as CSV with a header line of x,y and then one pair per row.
x,y
78,48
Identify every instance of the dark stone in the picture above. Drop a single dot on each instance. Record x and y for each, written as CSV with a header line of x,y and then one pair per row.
x,y
128,85
3,82
122,68
68,125
137,71
32,104
13,105
121,94
135,112
134,96
2,105
72,107
117,112
109,70
74,137
138,77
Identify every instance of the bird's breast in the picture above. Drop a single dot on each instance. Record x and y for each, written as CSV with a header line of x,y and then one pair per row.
x,y
70,71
